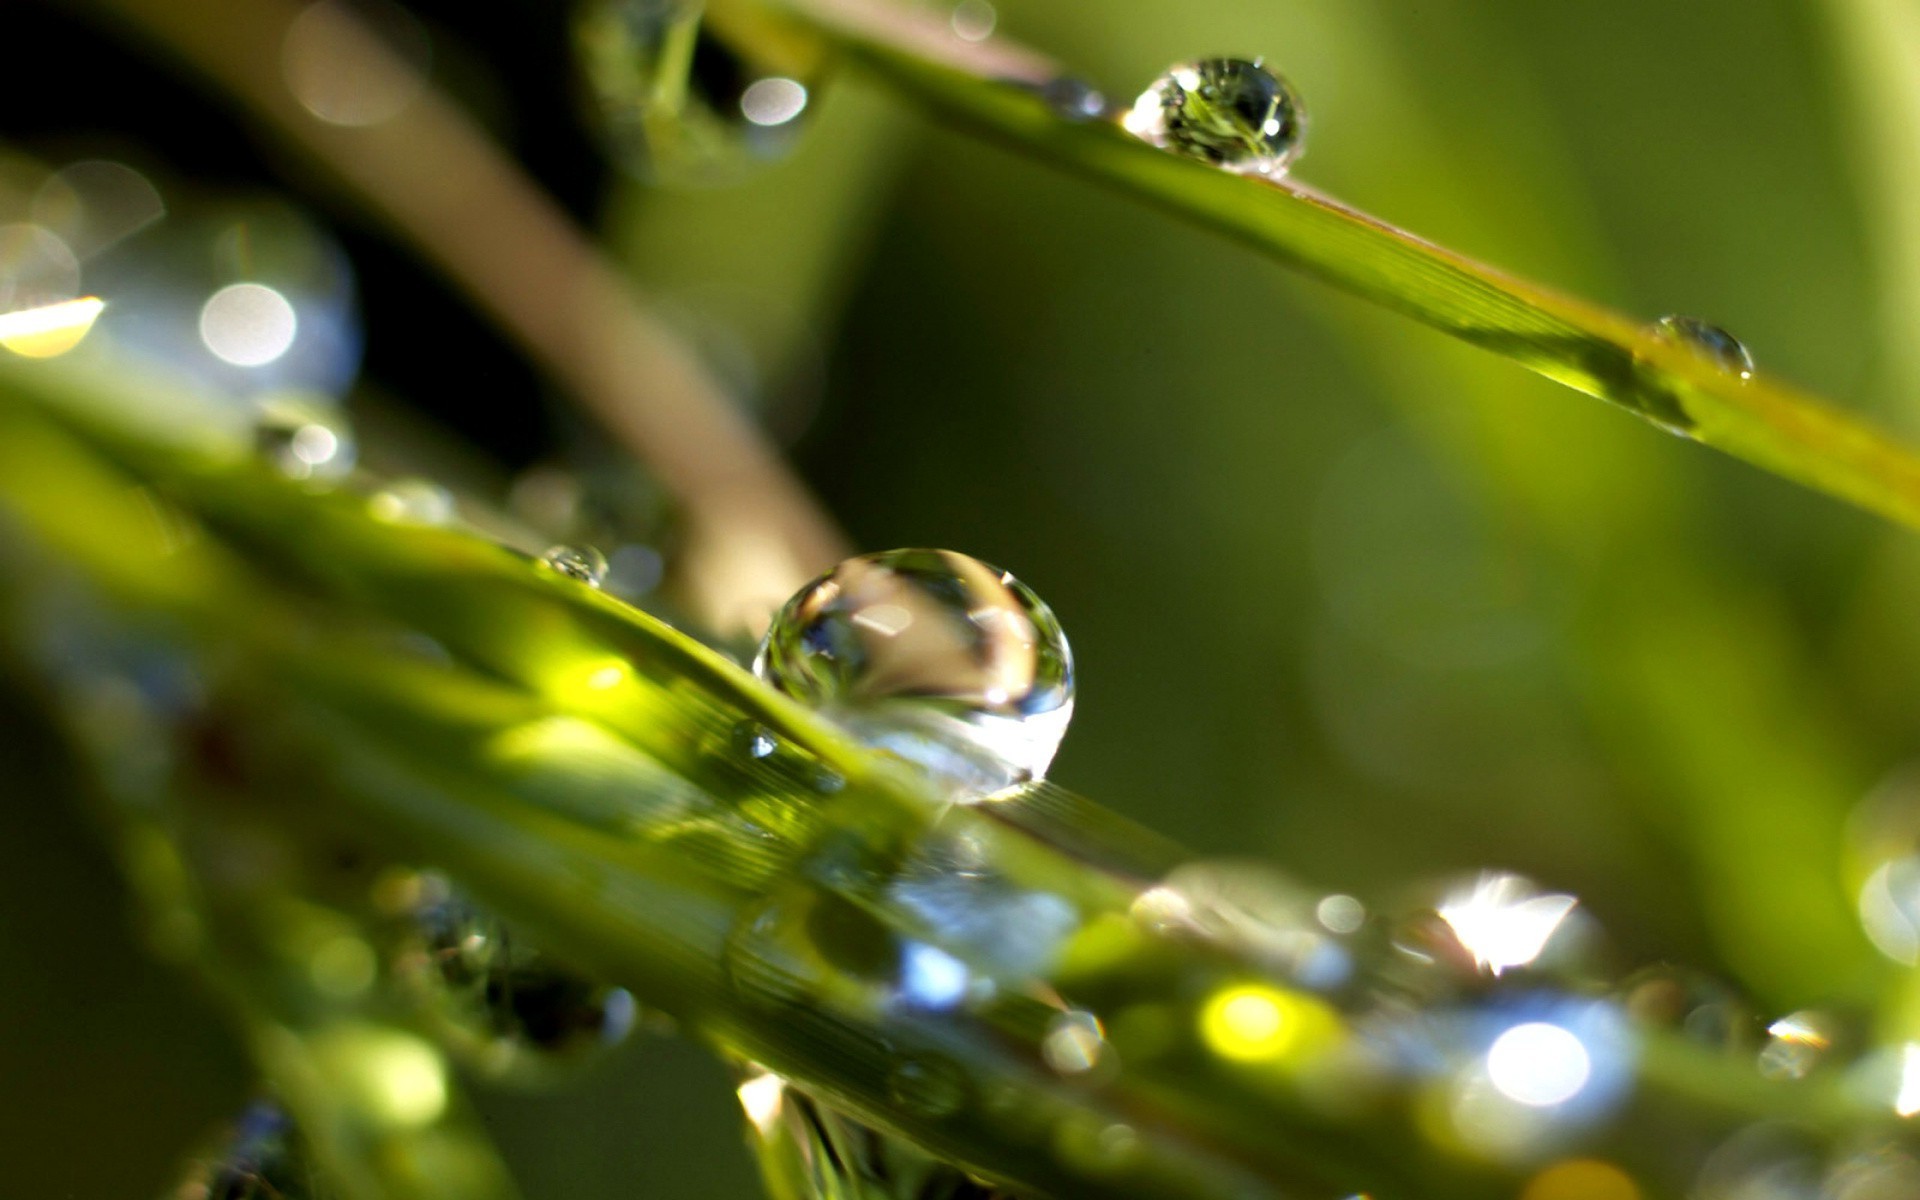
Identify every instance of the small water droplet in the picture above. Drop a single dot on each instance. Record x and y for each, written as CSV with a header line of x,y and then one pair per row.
x,y
1796,1044
583,563
1075,1043
1709,341
752,739
1231,112
304,440
927,1086
800,1140
1074,99
503,1005
973,20
933,656
261,1157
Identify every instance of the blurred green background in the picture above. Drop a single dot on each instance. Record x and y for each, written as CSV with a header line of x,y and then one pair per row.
x,y
1373,606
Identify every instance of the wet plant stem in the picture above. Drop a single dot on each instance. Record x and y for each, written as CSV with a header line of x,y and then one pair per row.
x,y
579,766
997,89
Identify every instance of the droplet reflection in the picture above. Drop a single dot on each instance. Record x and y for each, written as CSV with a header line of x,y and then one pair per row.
x,y
773,101
1231,112
1538,1064
1503,922
248,324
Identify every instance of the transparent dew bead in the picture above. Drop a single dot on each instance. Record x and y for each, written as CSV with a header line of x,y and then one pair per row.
x,y
1074,99
932,656
1709,341
1230,112
582,563
261,1157
504,1006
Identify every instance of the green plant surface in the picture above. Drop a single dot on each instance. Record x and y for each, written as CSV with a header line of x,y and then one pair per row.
x,y
1763,421
578,765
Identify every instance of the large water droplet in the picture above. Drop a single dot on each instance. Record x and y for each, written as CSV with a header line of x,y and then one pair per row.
x,y
1709,341
1231,112
933,656
261,1157
506,1006
583,563
675,104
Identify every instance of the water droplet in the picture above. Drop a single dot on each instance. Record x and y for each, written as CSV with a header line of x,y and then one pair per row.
x,y
1796,1044
933,656
1709,341
1075,1043
304,439
1251,909
809,1149
1074,99
1503,921
752,739
583,563
1231,112
1340,913
927,1086
1701,1008
973,20
675,104
505,1006
261,1157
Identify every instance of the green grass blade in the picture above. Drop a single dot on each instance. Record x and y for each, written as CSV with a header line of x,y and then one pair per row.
x,y
995,91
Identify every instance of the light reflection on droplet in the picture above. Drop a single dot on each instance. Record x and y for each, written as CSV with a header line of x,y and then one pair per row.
x,y
50,330
1795,1045
344,73
1258,1023
248,324
761,1096
1539,1064
775,100
931,978
973,20
1503,922
1890,909
1340,913
1075,1043
1906,1101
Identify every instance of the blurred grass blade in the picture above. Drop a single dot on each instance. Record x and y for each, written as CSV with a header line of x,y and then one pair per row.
x,y
574,763
997,90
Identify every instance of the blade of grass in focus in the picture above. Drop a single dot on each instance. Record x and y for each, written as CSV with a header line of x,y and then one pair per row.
x,y
998,90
